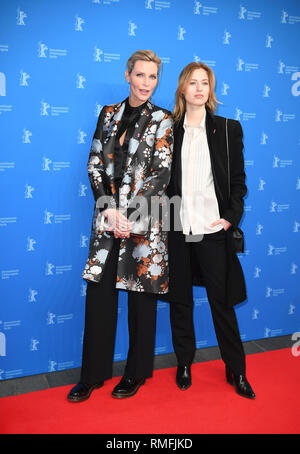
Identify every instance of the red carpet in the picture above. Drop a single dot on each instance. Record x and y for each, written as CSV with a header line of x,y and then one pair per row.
x,y
210,406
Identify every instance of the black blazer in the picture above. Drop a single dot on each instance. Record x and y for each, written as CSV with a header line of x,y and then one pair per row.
x,y
231,208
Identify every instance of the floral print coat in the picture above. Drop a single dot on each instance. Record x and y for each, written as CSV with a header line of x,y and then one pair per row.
x,y
143,260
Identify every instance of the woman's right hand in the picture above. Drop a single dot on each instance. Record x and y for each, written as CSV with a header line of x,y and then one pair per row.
x,y
118,223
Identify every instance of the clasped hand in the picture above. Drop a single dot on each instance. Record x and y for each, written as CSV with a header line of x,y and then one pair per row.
x,y
118,223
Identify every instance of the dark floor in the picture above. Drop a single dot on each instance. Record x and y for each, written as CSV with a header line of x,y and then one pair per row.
x,y
69,377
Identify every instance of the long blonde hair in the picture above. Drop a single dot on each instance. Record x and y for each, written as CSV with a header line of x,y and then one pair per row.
x,y
184,77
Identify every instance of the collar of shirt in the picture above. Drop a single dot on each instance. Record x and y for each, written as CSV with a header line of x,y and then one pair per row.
x,y
129,109
201,125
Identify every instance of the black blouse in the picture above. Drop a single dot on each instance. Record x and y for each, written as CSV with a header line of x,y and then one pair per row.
x,y
128,121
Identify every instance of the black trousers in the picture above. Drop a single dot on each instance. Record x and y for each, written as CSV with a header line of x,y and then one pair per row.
x,y
211,259
100,328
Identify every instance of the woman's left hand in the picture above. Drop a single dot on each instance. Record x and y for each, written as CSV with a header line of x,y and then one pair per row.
x,y
223,222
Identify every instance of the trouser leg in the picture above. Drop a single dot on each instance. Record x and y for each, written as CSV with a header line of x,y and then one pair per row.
x,y
212,260
228,336
100,324
141,325
182,312
183,335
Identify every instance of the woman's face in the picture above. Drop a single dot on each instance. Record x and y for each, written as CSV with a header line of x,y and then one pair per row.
x,y
142,80
196,92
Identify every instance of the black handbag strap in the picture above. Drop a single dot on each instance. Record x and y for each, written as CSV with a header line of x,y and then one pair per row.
x,y
227,149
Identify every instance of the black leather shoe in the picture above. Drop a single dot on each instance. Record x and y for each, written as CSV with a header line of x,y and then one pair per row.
x,y
242,386
127,387
183,377
82,392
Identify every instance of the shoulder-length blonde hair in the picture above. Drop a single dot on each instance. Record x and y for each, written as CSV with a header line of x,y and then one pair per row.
x,y
184,77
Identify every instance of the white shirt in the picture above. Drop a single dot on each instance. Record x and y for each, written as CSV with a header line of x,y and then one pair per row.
x,y
199,207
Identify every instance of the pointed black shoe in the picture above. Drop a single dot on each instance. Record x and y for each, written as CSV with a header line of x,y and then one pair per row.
x,y
242,386
183,377
127,387
81,391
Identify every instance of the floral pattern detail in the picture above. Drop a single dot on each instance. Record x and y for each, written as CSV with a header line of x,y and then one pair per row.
x,y
143,260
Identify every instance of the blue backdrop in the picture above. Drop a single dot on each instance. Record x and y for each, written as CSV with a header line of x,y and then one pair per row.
x,y
60,62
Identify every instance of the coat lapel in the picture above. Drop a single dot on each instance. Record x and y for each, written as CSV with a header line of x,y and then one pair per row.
x,y
212,134
178,139
115,116
134,142
109,143
133,145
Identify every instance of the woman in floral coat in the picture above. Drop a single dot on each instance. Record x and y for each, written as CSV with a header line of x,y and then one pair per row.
x,y
129,167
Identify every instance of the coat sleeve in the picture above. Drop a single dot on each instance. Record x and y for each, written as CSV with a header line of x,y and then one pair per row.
x,y
238,188
96,171
155,184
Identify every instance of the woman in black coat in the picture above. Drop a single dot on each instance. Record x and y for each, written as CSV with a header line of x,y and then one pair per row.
x,y
211,196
